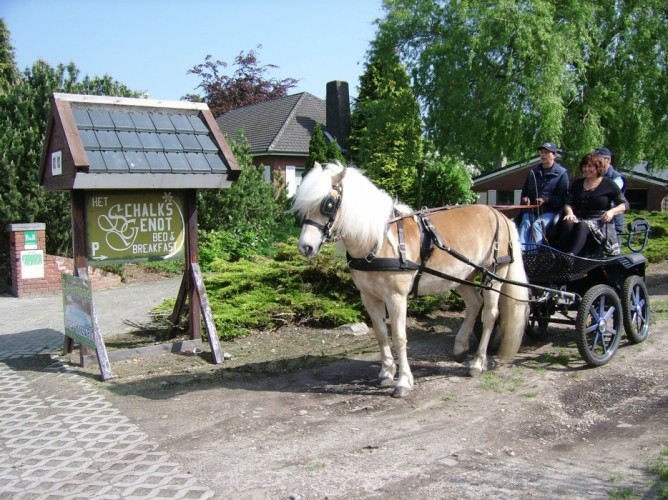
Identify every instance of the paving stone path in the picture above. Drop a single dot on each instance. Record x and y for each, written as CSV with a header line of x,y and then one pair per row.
x,y
59,437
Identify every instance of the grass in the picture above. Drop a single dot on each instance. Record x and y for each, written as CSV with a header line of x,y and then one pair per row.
x,y
550,359
496,382
659,310
658,468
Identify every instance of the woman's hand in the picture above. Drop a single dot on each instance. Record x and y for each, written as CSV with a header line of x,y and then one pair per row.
x,y
571,217
607,216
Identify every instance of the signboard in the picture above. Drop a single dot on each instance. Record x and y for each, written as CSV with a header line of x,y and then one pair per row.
x,y
80,320
78,307
32,264
134,226
30,240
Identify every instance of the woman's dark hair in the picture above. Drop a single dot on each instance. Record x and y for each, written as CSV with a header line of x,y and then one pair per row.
x,y
596,161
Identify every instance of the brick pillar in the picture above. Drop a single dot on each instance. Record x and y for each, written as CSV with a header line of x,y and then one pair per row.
x,y
27,254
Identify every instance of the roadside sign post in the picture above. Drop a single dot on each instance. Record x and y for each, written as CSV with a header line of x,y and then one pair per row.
x,y
133,167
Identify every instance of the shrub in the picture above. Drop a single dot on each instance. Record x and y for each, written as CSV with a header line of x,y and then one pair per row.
x,y
657,246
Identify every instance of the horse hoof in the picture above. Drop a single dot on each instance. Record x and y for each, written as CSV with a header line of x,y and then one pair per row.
x,y
385,382
461,357
400,392
475,372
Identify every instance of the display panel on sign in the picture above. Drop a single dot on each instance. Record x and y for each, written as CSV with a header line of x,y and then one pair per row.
x,y
132,227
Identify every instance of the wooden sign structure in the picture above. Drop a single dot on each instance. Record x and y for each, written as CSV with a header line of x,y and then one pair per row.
x,y
133,167
192,286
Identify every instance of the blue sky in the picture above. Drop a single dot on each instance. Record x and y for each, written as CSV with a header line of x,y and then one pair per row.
x,y
149,45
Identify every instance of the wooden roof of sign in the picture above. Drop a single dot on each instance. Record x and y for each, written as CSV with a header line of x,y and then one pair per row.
x,y
101,142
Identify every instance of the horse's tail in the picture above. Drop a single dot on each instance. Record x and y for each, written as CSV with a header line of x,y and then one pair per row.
x,y
513,301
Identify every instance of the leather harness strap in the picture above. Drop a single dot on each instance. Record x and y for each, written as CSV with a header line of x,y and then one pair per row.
x,y
429,237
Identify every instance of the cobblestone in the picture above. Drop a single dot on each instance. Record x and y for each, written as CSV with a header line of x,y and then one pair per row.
x,y
59,437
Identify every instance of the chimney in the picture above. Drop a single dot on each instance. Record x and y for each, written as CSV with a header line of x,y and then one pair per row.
x,y
338,112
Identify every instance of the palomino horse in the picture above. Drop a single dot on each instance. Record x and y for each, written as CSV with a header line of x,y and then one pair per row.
x,y
384,243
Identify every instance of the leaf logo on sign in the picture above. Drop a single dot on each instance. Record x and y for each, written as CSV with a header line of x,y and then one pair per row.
x,y
120,230
124,221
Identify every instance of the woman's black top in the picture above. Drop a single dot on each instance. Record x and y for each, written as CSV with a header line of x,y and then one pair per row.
x,y
592,204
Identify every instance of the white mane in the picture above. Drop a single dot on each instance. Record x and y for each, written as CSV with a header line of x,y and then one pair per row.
x,y
364,208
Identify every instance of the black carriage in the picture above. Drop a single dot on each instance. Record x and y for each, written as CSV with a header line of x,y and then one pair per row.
x,y
597,296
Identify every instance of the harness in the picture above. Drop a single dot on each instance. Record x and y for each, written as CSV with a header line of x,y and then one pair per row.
x,y
430,238
328,207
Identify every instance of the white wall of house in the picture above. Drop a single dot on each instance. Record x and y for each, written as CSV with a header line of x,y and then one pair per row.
x,y
293,178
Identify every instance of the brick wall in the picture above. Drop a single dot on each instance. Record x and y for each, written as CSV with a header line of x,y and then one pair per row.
x,y
54,266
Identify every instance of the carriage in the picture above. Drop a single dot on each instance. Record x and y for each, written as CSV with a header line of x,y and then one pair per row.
x,y
393,252
596,296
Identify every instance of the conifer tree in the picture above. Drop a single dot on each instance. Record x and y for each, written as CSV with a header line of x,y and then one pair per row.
x,y
317,149
386,136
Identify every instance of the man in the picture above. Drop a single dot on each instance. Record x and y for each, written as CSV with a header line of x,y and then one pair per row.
x,y
618,179
546,185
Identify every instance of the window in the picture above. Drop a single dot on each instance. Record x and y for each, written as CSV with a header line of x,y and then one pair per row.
x,y
505,197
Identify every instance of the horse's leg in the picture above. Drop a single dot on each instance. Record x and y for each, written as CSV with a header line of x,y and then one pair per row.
x,y
473,302
397,310
490,312
376,310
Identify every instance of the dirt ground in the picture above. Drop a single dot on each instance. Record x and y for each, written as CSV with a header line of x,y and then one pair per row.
x,y
295,414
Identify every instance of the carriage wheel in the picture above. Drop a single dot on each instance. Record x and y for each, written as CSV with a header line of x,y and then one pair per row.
x,y
635,304
598,324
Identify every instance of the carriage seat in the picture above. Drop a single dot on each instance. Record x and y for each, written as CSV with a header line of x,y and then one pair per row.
x,y
554,227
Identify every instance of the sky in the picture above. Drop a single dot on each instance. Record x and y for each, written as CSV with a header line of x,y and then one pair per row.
x,y
149,45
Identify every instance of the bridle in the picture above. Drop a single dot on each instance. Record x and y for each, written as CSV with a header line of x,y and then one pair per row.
x,y
329,208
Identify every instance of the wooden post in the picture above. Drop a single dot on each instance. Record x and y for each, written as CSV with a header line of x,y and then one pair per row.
x,y
79,253
192,257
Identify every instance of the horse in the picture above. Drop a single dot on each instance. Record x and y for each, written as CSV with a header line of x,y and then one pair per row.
x,y
384,241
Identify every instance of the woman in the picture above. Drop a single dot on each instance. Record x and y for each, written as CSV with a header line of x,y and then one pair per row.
x,y
591,206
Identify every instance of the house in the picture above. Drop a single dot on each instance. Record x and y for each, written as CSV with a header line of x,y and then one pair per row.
x,y
644,190
279,131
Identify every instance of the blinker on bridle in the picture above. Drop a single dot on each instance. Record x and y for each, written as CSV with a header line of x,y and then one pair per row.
x,y
328,207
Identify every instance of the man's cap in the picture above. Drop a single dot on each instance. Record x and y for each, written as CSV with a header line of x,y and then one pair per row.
x,y
603,151
550,146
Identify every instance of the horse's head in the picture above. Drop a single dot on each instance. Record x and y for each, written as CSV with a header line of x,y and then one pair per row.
x,y
317,200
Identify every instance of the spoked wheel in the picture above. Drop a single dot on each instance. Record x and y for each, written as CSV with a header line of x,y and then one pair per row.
x,y
598,325
635,304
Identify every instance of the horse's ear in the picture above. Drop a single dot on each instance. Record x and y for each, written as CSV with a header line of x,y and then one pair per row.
x,y
336,180
317,166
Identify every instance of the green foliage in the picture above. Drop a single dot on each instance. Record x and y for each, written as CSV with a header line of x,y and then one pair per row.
x,y
321,151
657,246
498,78
386,135
236,242
24,109
446,182
334,152
317,149
8,71
265,293
246,218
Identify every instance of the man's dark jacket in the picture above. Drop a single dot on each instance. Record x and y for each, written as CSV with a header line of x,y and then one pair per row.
x,y
551,184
